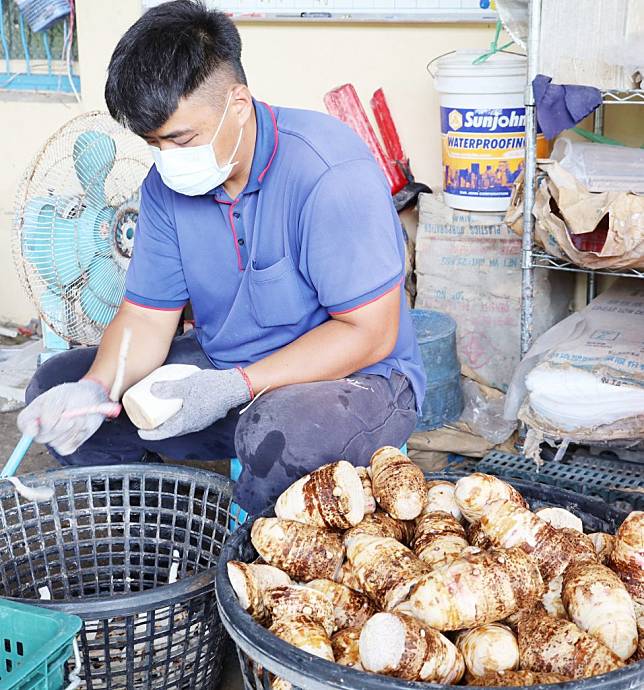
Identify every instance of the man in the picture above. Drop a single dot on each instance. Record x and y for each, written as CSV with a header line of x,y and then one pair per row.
x,y
278,226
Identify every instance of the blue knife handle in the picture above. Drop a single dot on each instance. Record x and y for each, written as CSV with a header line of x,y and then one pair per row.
x,y
17,456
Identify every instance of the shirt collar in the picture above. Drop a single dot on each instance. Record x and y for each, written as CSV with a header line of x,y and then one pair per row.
x,y
265,150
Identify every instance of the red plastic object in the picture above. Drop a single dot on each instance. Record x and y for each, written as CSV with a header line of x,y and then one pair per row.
x,y
387,128
343,102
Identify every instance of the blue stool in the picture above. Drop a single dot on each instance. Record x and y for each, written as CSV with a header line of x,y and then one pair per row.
x,y
238,514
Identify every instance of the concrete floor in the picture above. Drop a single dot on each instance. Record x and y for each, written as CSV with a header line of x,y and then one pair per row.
x,y
38,459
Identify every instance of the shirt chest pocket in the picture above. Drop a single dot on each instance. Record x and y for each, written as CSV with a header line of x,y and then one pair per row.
x,y
276,295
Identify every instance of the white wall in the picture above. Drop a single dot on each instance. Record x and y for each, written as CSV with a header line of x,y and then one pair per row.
x,y
287,64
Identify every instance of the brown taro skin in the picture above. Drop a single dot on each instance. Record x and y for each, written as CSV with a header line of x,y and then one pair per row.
x,y
627,557
379,524
346,647
386,570
553,645
350,608
302,551
477,588
292,600
511,679
398,485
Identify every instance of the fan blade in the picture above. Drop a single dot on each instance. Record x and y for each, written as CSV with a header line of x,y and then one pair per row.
x,y
60,249
94,155
103,294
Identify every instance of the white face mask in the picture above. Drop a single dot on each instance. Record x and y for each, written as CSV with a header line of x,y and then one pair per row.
x,y
194,170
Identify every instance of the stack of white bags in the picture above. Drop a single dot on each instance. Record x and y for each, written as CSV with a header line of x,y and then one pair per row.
x,y
584,378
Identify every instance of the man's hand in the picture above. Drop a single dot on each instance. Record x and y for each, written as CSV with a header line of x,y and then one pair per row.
x,y
207,396
45,418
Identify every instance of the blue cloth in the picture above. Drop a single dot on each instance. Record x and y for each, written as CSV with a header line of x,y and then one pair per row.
x,y
562,106
313,234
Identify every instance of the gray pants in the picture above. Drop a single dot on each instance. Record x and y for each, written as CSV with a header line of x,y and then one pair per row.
x,y
287,433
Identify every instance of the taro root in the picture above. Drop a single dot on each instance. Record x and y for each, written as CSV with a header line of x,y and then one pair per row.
x,y
398,645
303,551
380,524
558,646
346,647
627,558
350,608
439,538
331,496
508,524
477,588
386,570
560,517
441,498
474,492
304,633
250,582
398,484
367,490
603,544
597,601
488,648
292,600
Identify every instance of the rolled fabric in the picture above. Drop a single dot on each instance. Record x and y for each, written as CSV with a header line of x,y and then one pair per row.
x,y
302,551
441,498
488,649
477,588
597,601
474,492
287,601
559,646
331,496
398,645
439,538
350,608
386,570
398,484
346,647
250,582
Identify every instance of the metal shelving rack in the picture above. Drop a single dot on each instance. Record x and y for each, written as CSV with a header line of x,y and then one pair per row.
x,y
535,257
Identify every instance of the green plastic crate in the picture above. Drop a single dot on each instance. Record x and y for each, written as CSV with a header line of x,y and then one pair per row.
x,y
35,643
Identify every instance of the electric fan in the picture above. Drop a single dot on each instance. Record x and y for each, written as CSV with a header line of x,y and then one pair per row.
x,y
74,224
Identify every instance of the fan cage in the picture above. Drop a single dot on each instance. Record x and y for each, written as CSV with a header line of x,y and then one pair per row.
x,y
72,237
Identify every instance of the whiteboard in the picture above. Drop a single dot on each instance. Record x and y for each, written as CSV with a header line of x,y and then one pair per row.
x,y
354,10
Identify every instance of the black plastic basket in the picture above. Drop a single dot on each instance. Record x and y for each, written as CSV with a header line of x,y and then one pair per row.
x,y
106,548
262,653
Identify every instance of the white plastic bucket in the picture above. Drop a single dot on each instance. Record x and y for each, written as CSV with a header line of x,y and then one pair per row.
x,y
482,127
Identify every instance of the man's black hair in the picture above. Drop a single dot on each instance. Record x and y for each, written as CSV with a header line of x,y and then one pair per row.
x,y
166,55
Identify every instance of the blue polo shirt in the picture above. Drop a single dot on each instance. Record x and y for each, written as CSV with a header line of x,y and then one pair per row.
x,y
314,233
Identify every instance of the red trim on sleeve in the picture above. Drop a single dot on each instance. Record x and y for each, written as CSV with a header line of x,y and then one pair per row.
x,y
265,170
147,306
247,380
364,304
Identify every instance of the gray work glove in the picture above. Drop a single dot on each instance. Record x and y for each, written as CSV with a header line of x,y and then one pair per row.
x,y
207,395
44,418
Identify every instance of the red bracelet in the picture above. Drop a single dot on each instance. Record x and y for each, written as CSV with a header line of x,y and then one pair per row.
x,y
247,380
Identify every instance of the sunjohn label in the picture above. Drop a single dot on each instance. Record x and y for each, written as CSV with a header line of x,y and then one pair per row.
x,y
483,150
